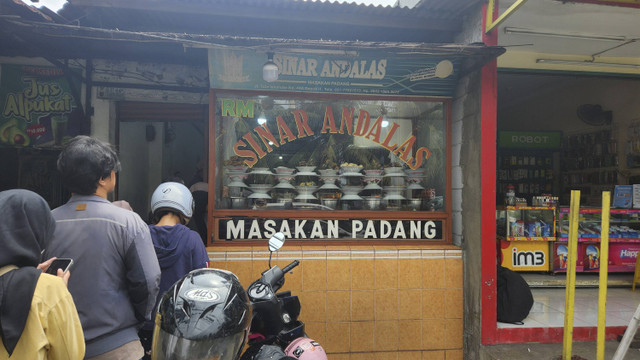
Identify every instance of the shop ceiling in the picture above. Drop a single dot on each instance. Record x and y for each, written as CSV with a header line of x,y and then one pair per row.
x,y
551,35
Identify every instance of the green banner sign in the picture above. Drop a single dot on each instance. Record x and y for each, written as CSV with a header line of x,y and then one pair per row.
x,y
39,107
362,72
530,139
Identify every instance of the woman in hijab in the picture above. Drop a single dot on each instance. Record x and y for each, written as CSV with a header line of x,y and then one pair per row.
x,y
38,319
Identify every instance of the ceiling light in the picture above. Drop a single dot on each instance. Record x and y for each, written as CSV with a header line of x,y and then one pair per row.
x,y
586,63
513,30
270,69
262,119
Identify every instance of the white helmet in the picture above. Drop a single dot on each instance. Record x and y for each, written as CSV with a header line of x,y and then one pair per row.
x,y
173,195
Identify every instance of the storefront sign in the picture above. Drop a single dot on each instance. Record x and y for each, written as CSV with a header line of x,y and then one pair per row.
x,y
38,107
245,228
525,255
354,122
530,139
363,72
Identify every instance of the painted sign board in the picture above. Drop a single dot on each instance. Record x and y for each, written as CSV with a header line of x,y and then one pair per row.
x,y
361,72
530,139
525,255
245,228
39,106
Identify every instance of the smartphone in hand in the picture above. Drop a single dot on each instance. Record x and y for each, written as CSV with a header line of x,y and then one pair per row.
x,y
59,263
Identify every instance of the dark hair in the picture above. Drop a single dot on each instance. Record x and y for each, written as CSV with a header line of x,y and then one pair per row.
x,y
164,211
84,162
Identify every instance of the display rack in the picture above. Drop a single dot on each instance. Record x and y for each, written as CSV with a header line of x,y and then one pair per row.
x,y
624,239
589,163
527,160
525,235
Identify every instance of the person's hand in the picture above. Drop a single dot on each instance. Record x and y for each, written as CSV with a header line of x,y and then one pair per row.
x,y
64,276
45,265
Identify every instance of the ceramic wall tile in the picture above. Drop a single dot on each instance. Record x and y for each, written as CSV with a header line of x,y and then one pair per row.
x,y
314,275
433,334
340,356
386,305
359,356
337,337
385,335
338,274
385,355
338,305
316,331
409,304
433,303
386,273
242,269
361,333
454,303
362,302
362,274
410,335
453,273
454,334
314,304
433,273
433,355
410,355
409,273
454,355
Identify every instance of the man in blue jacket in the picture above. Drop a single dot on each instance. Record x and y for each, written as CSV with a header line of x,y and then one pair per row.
x,y
116,274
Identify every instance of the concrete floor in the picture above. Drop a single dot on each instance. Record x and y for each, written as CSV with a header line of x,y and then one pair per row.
x,y
536,351
586,350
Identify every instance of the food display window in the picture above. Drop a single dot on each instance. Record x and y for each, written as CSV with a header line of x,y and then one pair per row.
x,y
330,155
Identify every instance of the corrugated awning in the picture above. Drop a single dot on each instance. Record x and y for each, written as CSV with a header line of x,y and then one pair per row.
x,y
32,38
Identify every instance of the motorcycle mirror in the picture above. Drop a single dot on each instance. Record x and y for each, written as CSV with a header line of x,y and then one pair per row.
x,y
276,241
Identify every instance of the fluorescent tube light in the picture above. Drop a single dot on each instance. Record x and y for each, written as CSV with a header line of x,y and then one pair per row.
x,y
586,63
514,30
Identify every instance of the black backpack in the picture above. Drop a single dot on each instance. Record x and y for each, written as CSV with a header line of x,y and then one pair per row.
x,y
514,296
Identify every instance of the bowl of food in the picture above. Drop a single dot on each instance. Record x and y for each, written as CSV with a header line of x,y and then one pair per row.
x,y
372,202
328,172
350,168
393,169
305,169
329,202
238,202
283,170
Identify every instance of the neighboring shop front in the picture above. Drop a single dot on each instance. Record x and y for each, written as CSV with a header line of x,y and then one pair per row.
x,y
348,154
41,111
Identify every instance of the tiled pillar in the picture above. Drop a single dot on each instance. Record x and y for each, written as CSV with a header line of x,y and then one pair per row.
x,y
388,302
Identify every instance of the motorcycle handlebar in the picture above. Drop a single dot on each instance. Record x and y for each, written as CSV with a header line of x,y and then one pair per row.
x,y
289,267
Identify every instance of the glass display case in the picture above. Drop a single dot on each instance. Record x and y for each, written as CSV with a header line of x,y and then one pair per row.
x,y
524,237
286,152
530,223
624,239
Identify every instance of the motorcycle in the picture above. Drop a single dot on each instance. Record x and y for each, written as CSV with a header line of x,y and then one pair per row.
x,y
275,323
208,315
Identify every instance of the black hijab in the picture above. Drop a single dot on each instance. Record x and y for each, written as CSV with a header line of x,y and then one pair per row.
x,y
26,226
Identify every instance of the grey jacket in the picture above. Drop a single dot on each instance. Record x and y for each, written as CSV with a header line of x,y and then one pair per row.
x,y
115,277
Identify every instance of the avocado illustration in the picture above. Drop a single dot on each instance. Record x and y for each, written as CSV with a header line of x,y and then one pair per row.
x,y
5,129
18,137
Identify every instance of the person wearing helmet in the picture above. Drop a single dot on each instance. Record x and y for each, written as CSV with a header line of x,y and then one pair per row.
x,y
305,349
178,248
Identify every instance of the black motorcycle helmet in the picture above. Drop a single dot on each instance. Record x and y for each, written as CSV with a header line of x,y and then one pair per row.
x,y
205,315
